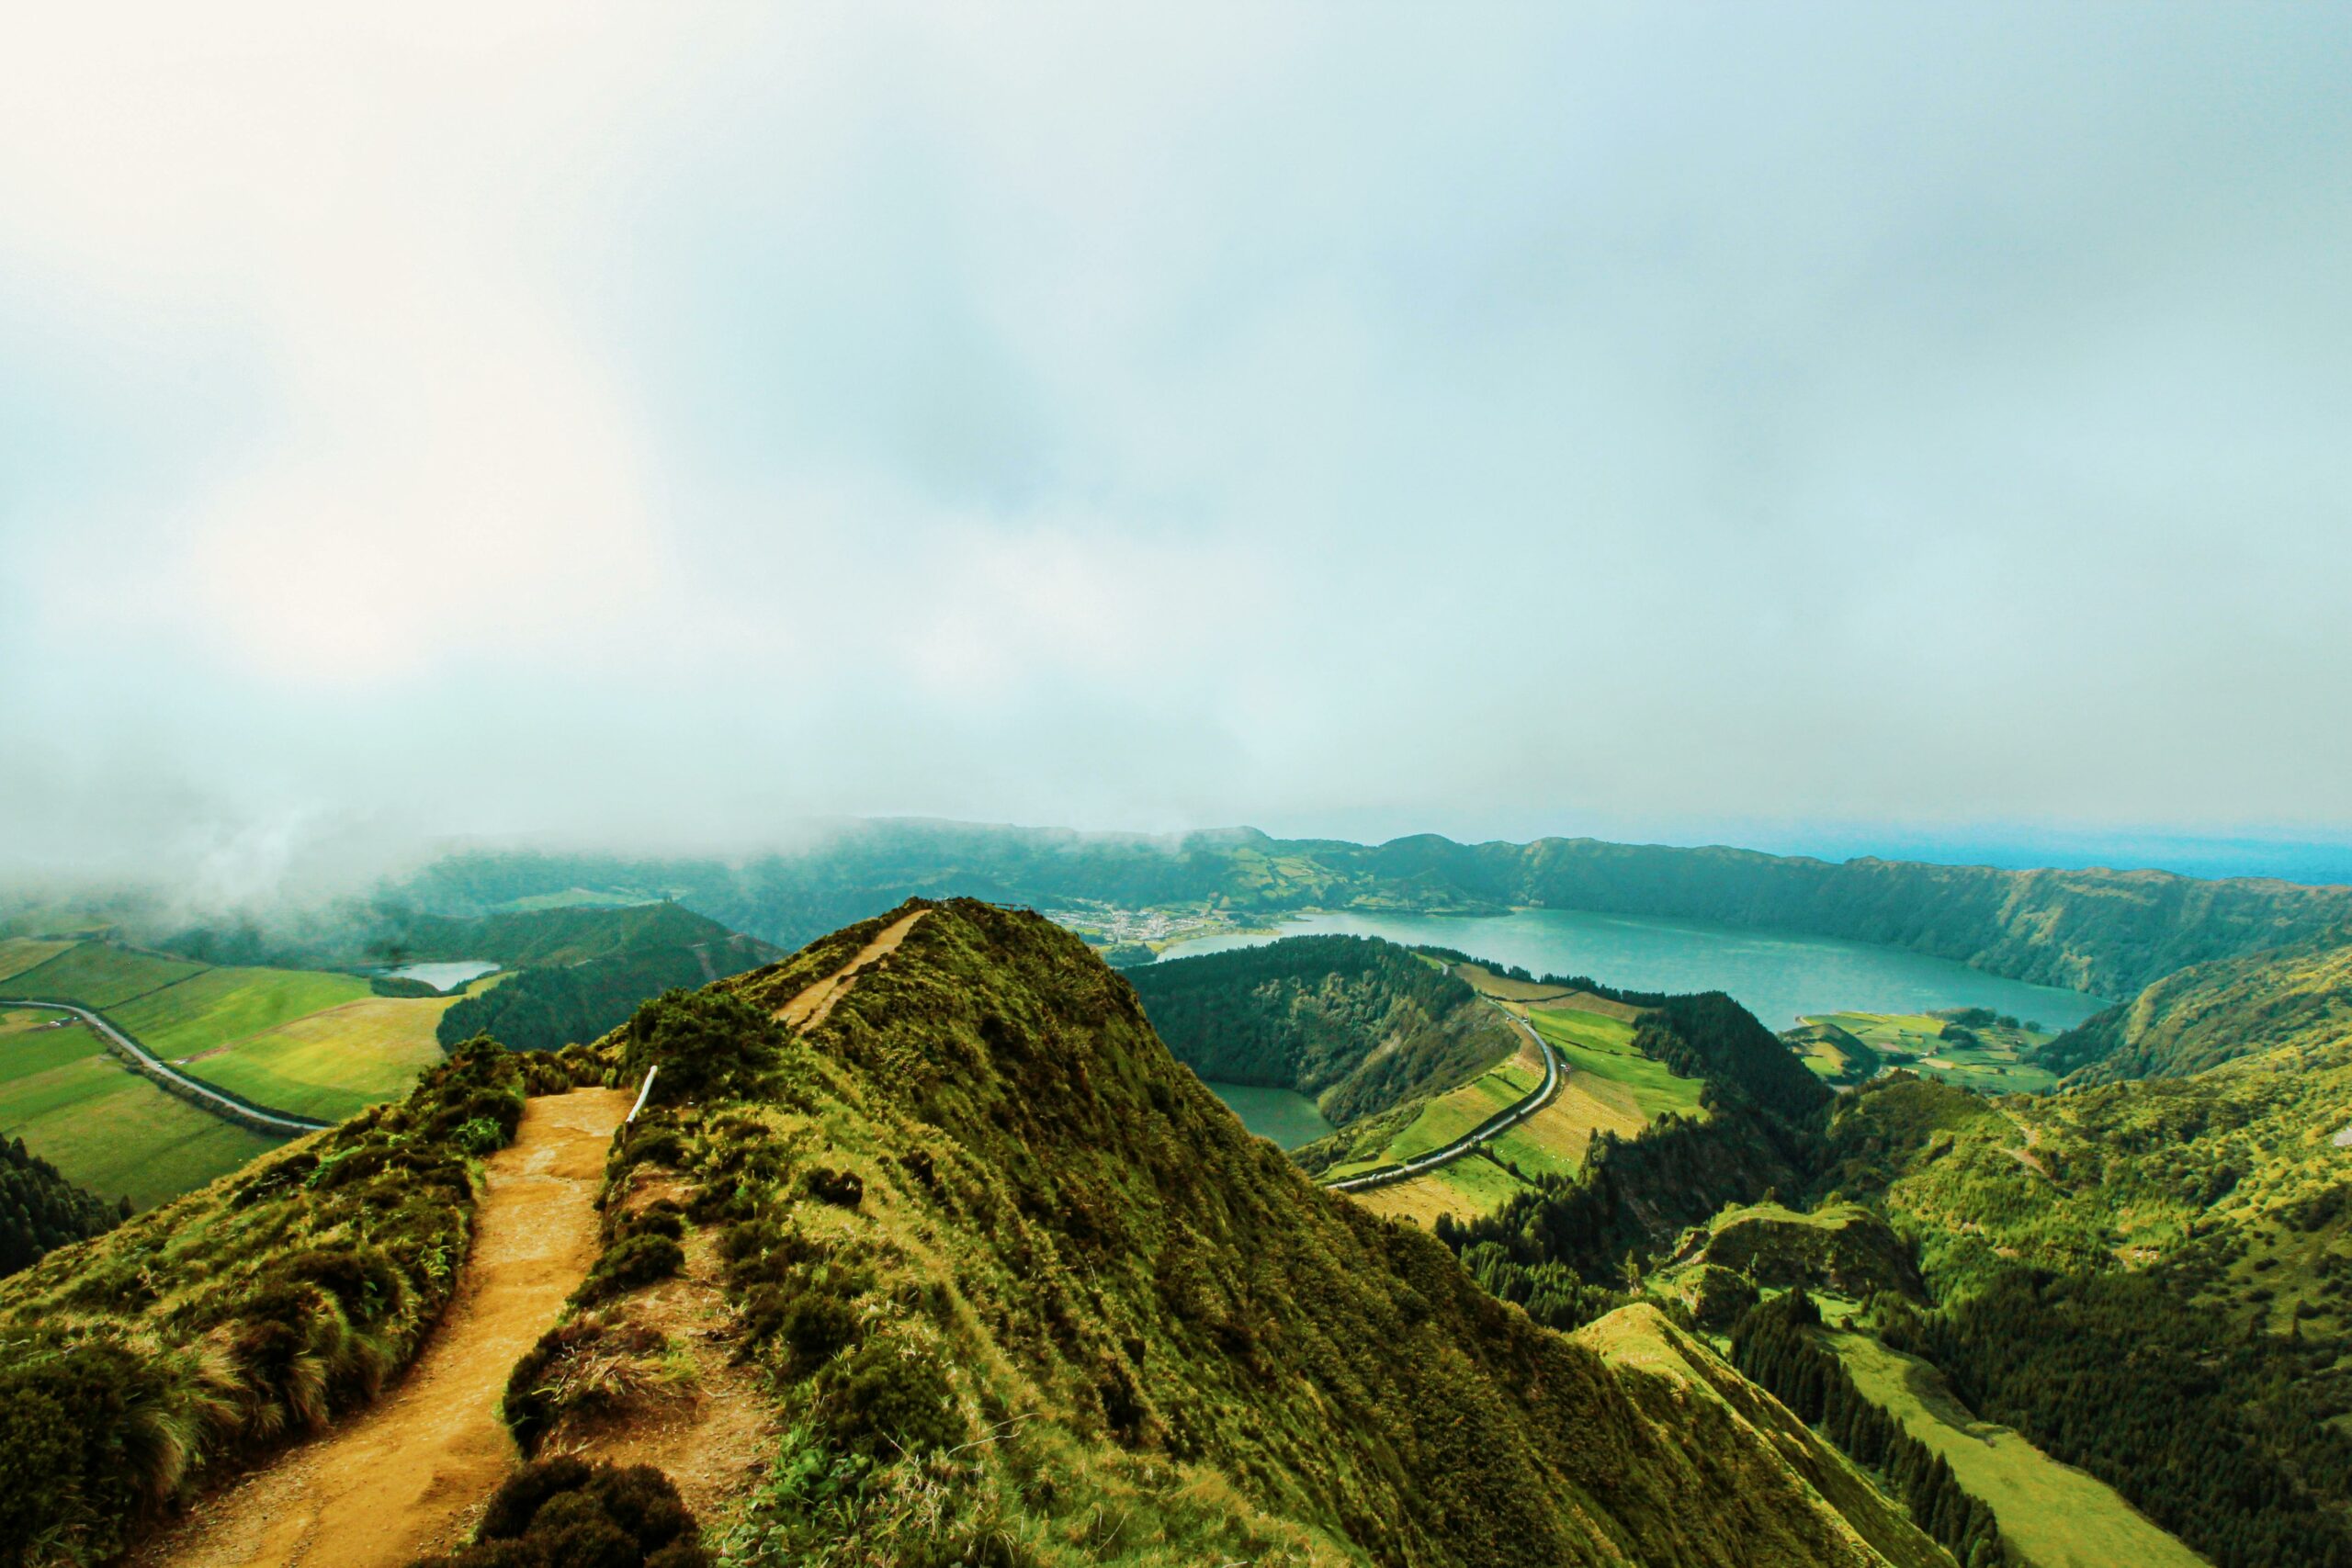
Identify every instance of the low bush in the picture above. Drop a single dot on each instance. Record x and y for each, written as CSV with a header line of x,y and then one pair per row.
x,y
628,1264
563,1512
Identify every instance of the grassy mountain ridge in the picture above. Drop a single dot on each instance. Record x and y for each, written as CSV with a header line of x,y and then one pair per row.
x,y
981,1198
2111,932
1360,1024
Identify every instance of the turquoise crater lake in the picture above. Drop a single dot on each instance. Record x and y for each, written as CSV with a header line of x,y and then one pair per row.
x,y
1780,976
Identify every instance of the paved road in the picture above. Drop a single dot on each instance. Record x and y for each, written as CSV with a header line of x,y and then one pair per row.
x,y
202,1094
1418,1164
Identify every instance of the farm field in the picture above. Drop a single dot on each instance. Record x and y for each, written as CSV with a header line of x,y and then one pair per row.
x,y
1604,1047
334,1063
20,954
107,1129
1992,1058
99,974
312,1042
2057,1516
1471,1186
1610,1087
219,1007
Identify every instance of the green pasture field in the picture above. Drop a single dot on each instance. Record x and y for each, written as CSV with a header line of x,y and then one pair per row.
x,y
20,954
107,1128
99,974
2057,1516
2000,1063
1589,1043
334,1063
220,1007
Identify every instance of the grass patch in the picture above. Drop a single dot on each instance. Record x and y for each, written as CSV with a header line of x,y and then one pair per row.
x,y
20,954
2058,1516
337,1063
220,1007
109,1130
1604,1047
100,974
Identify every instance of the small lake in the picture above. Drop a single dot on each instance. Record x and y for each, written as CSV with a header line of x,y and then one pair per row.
x,y
1778,975
1285,1116
443,976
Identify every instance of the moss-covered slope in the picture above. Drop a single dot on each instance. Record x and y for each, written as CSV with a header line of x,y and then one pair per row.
x,y
1361,1024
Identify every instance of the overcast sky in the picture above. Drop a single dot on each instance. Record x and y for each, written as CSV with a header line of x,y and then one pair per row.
x,y
663,421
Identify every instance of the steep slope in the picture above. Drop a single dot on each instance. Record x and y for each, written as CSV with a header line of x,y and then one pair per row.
x,y
2213,1013
1362,1025
2110,933
1030,1288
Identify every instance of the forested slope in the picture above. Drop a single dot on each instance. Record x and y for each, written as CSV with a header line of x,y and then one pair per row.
x,y
1361,1024
39,1210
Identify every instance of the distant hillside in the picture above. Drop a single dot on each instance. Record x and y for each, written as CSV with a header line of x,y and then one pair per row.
x,y
1362,1025
2105,931
2213,1013
583,971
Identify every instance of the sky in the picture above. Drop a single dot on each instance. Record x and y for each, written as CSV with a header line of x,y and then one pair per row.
x,y
1804,425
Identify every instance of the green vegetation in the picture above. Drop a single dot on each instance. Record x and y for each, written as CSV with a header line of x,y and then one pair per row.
x,y
2150,1280
1842,1249
2108,933
139,1365
1028,1295
1776,1344
41,1210
1362,1025
2214,1013
583,971
109,1131
1968,1046
2055,1516
561,1513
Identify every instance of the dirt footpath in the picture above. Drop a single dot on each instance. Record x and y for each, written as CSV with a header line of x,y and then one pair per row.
x,y
410,1476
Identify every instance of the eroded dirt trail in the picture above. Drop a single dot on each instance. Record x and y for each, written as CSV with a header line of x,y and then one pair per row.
x,y
408,1476
808,1009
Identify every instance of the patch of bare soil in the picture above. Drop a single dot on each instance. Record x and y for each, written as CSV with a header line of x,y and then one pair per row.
x,y
408,1476
713,1434
811,1007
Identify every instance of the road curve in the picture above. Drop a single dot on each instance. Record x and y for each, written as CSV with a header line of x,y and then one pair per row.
x,y
1484,1133
193,1090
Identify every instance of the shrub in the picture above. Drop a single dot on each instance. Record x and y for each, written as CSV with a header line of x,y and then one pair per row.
x,y
562,1513
842,1188
891,1397
708,1044
628,1263
478,1136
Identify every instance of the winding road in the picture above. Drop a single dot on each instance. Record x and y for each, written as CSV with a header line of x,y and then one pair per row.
x,y
1486,1132
195,1091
